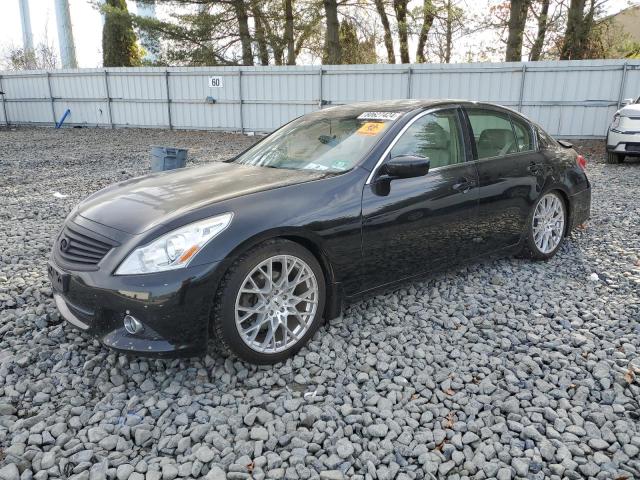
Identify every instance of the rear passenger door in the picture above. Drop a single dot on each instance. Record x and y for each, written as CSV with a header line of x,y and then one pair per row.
x,y
511,175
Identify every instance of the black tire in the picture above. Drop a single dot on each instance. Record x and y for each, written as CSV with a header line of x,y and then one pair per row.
x,y
530,249
614,158
227,338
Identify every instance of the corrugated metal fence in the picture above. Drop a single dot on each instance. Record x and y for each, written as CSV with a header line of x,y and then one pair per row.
x,y
569,98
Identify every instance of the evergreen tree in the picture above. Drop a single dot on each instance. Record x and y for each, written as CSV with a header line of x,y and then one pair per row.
x,y
119,47
355,51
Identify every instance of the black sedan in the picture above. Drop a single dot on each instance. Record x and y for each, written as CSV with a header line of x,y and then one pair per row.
x,y
255,252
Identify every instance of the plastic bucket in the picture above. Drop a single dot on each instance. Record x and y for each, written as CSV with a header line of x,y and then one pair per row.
x,y
167,158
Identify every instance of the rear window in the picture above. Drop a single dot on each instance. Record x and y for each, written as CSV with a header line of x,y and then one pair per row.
x,y
492,133
523,135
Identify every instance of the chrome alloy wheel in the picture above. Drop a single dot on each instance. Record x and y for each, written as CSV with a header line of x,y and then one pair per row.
x,y
276,304
548,223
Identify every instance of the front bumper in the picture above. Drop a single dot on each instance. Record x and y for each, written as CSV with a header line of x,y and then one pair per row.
x,y
627,143
172,306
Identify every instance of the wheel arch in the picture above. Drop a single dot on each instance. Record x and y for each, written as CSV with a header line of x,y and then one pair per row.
x,y
564,195
311,242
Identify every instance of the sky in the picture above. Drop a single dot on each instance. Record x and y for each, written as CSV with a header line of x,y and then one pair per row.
x,y
87,25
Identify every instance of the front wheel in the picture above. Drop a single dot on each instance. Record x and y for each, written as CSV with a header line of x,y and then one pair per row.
x,y
546,227
614,158
269,303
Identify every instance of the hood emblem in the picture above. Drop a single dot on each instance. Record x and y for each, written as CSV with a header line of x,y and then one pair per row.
x,y
64,244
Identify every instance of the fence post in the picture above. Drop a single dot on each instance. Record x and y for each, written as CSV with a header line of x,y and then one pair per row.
x,y
524,74
240,95
53,108
106,88
4,104
622,84
320,92
409,83
166,81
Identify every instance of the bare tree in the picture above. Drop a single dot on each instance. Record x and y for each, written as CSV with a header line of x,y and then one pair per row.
x,y
517,23
243,27
42,57
429,14
258,19
332,41
388,38
579,25
543,24
400,7
288,32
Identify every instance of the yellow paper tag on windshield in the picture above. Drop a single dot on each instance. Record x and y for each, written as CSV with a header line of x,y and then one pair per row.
x,y
371,128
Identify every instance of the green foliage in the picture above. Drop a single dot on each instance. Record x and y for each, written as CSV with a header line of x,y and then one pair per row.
x,y
355,51
119,46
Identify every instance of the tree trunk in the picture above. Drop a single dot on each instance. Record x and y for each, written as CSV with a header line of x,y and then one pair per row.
x,y
448,35
571,45
517,21
388,38
400,6
429,14
263,51
543,19
333,52
288,32
243,29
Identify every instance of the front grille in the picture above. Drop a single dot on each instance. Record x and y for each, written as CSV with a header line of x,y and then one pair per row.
x,y
633,147
80,247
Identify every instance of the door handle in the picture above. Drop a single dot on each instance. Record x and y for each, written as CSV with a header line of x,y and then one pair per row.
x,y
464,185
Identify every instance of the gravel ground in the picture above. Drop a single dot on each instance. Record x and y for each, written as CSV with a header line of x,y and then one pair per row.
x,y
501,370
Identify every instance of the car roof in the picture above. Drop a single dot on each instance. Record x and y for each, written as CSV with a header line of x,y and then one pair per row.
x,y
403,106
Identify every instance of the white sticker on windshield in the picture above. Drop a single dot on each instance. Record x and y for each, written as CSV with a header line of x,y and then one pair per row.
x,y
385,116
316,166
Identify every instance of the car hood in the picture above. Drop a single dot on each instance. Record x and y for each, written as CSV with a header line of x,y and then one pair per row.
x,y
632,110
133,206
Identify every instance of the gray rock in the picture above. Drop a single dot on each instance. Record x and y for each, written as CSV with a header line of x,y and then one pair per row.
x,y
344,448
259,433
521,466
332,475
9,472
378,430
205,454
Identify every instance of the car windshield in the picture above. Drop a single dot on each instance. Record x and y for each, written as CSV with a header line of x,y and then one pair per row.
x,y
331,142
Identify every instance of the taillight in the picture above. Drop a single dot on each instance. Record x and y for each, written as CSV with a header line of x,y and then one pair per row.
x,y
582,162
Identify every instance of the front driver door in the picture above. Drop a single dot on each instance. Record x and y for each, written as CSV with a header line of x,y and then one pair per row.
x,y
414,225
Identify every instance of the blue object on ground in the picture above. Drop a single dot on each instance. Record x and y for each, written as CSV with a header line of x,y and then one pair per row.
x,y
167,158
64,116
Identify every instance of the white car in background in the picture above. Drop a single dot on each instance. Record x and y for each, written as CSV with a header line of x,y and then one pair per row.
x,y
623,136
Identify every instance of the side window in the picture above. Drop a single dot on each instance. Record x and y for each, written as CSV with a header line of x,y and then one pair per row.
x,y
523,135
492,133
436,136
545,140
542,139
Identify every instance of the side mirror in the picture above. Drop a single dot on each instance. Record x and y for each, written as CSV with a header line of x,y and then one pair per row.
x,y
627,101
406,166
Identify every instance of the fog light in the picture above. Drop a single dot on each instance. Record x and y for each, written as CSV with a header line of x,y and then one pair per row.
x,y
132,325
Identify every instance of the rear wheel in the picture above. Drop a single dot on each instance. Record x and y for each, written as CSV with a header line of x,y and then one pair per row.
x,y
546,227
269,303
613,157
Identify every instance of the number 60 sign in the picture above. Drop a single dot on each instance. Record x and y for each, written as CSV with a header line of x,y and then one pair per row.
x,y
215,82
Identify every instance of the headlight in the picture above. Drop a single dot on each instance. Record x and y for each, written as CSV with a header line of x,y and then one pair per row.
x,y
616,121
174,249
